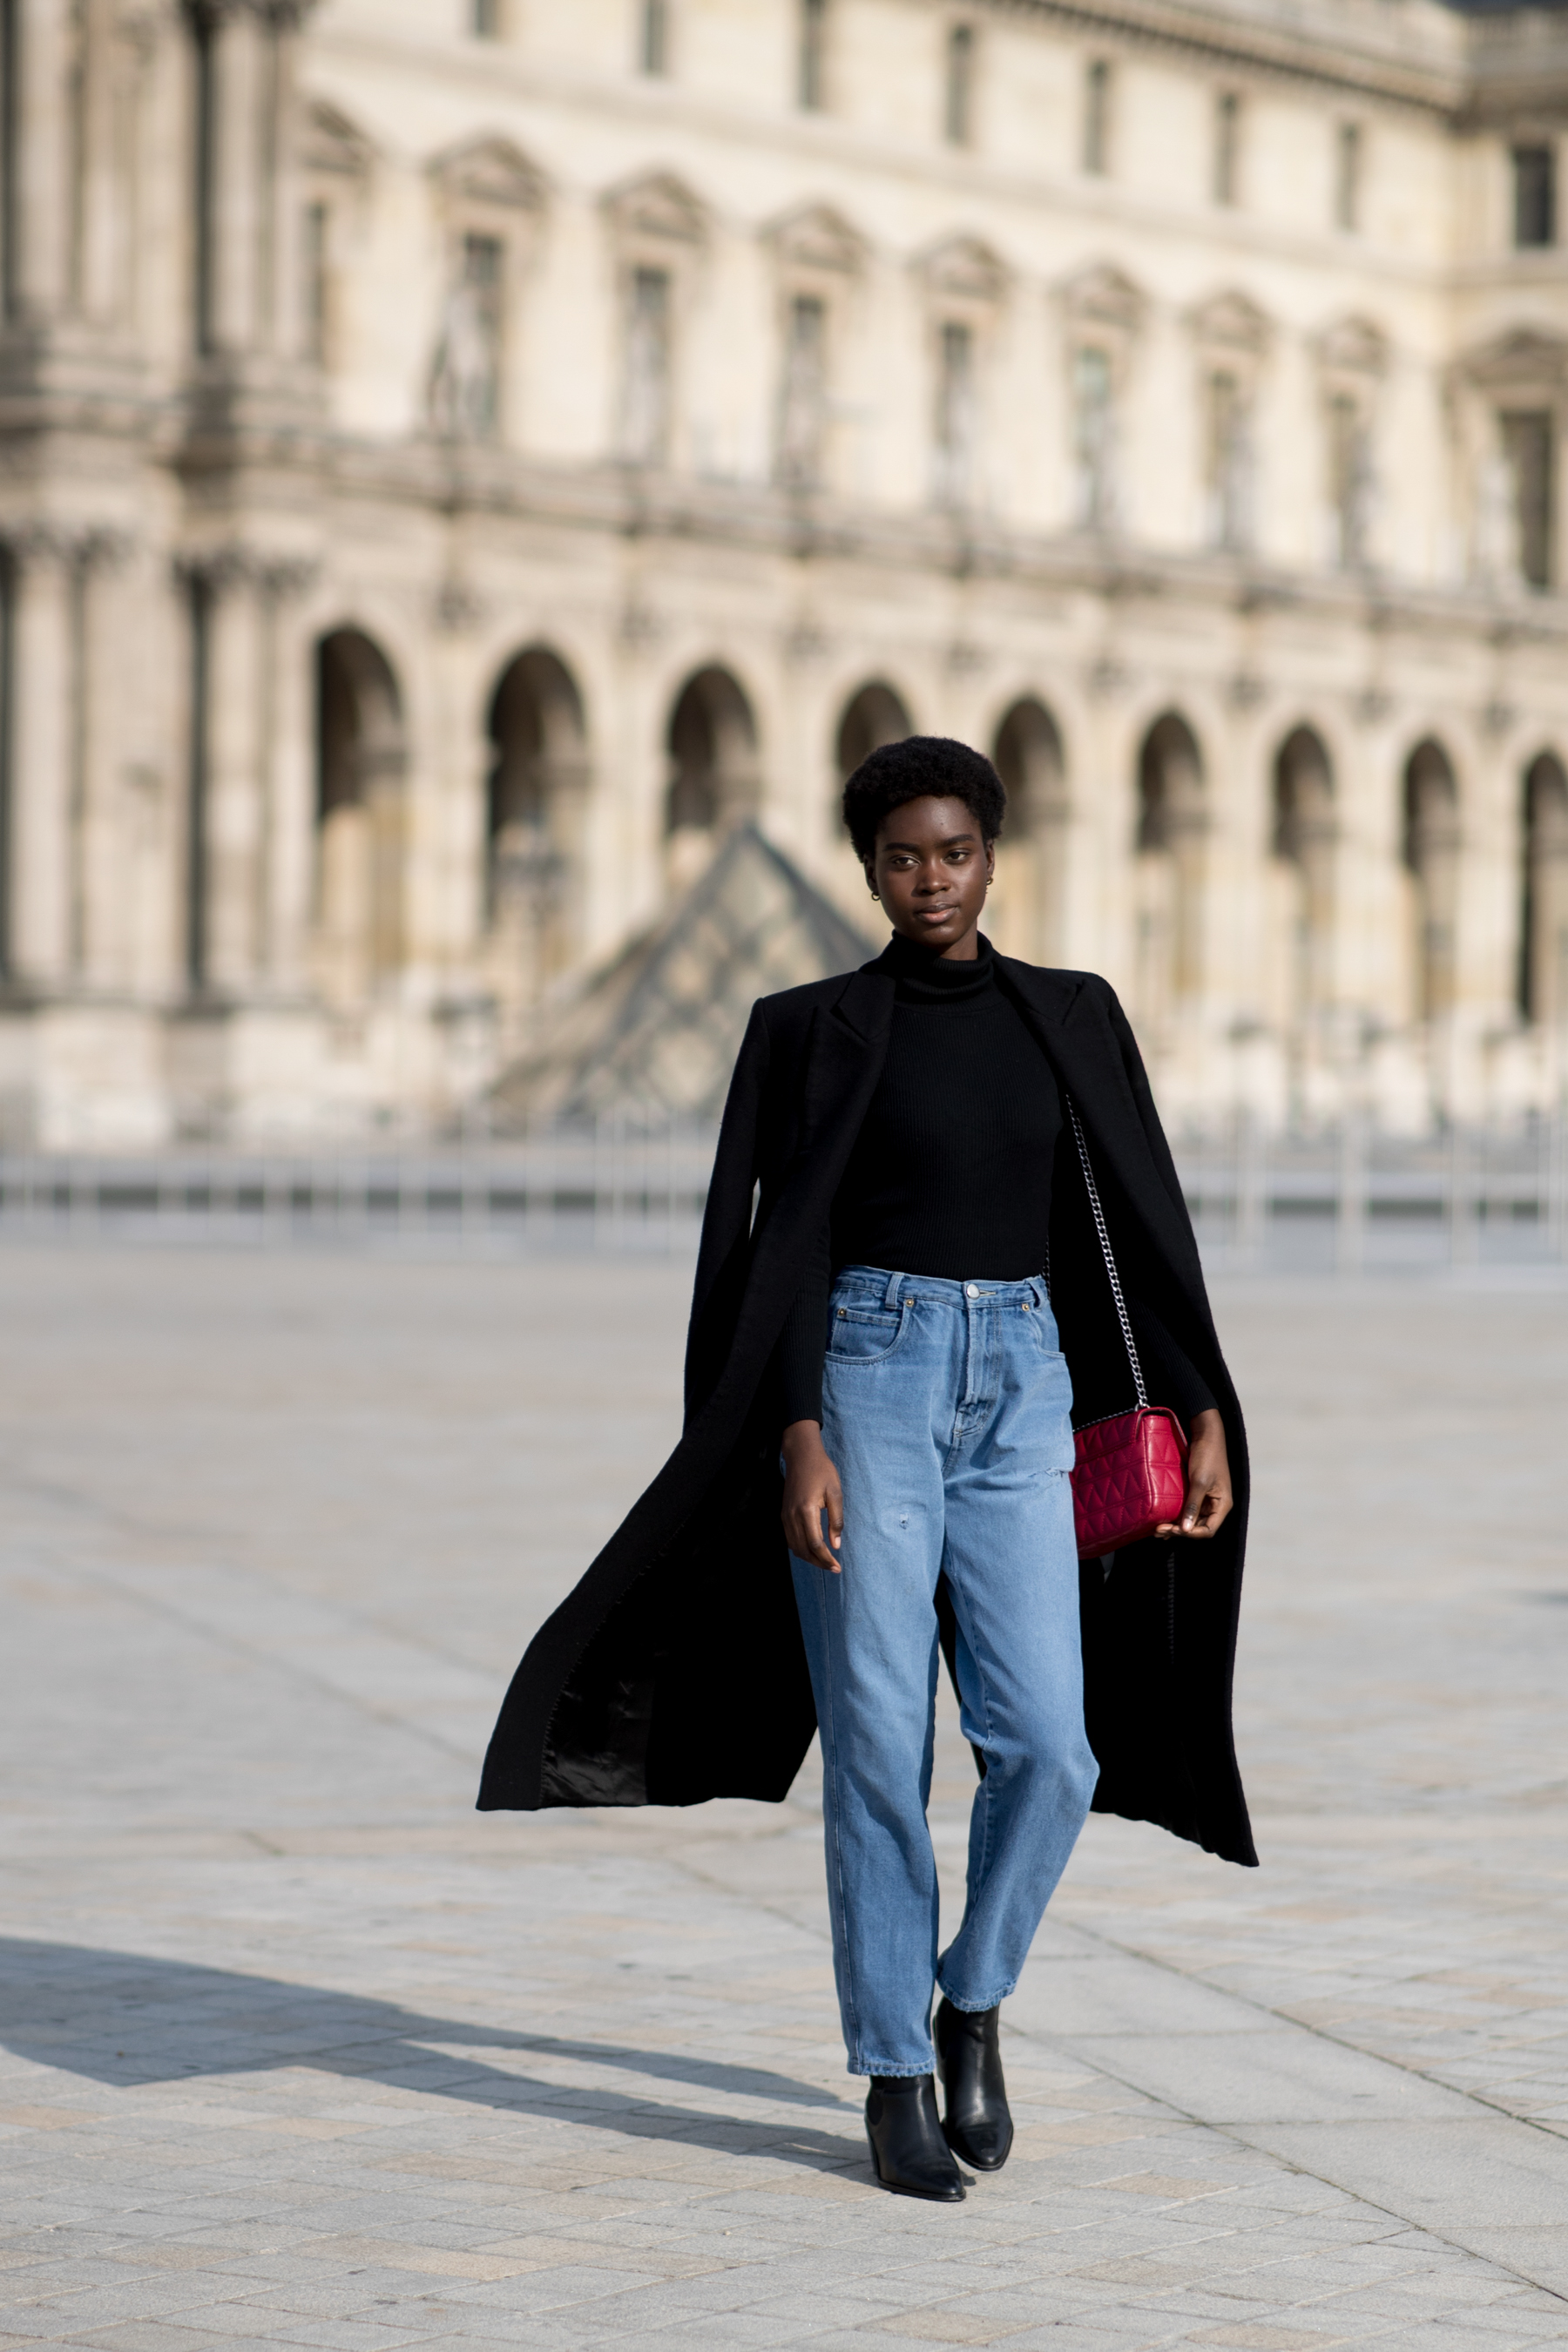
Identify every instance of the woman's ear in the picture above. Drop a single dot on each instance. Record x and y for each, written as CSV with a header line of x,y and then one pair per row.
x,y
871,872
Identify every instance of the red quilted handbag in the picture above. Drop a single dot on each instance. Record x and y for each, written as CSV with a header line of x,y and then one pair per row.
x,y
1131,1474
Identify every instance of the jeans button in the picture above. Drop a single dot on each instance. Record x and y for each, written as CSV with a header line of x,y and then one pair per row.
x,y
973,1288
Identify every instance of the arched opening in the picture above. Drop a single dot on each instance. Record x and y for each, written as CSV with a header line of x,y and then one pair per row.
x,y
536,799
1544,931
361,764
1305,831
1432,859
873,715
714,777
1173,827
1027,907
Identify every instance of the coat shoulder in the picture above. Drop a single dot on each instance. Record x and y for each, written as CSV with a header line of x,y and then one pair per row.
x,y
788,1012
1054,986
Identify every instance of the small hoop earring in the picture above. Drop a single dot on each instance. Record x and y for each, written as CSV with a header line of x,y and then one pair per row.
x,y
877,895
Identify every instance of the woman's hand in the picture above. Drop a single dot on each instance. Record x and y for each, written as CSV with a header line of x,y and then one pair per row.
x,y
811,1488
1209,1497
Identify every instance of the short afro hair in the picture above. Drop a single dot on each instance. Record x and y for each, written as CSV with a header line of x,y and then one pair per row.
x,y
921,767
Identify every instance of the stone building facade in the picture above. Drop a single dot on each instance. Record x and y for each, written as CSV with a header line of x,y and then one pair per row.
x,y
460,456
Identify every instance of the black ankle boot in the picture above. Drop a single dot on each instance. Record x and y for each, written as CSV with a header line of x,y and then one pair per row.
x,y
908,2153
968,2053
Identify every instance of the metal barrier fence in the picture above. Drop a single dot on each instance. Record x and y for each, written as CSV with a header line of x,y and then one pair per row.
x,y
1347,1201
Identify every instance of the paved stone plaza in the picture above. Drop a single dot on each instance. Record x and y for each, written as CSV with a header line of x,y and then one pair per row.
x,y
296,2049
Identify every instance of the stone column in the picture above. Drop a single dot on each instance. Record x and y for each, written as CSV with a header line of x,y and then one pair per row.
x,y
40,234
99,874
244,101
287,863
43,663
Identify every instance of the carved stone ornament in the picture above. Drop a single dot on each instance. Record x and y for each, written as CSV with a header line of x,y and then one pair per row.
x,y
1353,347
332,144
965,269
1231,322
458,609
1527,358
276,573
818,239
490,173
86,546
280,16
1104,296
659,208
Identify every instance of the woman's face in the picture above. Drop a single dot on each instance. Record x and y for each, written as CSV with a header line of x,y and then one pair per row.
x,y
931,870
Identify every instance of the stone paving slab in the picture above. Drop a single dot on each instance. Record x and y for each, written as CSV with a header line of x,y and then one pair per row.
x,y
295,2049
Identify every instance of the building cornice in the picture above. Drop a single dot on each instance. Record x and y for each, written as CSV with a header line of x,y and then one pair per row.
x,y
494,491
1327,45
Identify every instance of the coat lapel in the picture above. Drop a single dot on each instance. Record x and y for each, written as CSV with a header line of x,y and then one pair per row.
x,y
844,1057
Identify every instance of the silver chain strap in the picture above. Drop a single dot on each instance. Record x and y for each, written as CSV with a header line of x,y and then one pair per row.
x,y
1123,1316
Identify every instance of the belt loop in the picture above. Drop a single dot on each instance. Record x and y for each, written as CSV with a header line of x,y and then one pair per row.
x,y
890,1297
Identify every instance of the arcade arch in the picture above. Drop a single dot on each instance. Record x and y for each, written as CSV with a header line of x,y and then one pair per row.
x,y
1305,830
1027,909
1543,942
536,810
1173,827
362,759
875,714
715,777
1432,861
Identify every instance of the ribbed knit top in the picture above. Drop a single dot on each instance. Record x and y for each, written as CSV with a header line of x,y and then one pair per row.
x,y
951,1173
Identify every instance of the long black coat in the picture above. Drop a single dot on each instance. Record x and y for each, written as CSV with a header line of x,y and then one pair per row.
x,y
674,1670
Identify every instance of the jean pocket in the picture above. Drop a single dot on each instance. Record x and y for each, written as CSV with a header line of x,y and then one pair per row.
x,y
865,1334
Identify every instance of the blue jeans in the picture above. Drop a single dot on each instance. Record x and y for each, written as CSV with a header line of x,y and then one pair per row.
x,y
946,1410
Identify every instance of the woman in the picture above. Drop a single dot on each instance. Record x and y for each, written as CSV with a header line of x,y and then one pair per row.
x,y
905,1331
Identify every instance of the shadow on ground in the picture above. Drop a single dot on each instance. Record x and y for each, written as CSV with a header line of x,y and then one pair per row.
x,y
124,2017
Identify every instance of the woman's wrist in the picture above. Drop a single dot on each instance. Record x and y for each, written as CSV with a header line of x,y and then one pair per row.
x,y
800,1437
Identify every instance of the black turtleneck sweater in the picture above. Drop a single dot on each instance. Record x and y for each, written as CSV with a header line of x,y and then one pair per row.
x,y
951,1173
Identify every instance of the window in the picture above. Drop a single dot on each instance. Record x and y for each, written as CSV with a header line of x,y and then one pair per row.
x,y
485,19
315,291
464,391
648,368
1230,463
803,405
1347,176
960,94
1534,196
1096,117
1093,437
813,46
1527,439
1350,479
955,413
1226,146
654,53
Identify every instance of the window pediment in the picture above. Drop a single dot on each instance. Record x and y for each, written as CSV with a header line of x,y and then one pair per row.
x,y
330,143
1528,359
965,269
1103,296
660,209
1353,347
492,173
818,239
1231,322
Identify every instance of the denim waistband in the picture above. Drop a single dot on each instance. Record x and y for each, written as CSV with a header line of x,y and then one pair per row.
x,y
937,1290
